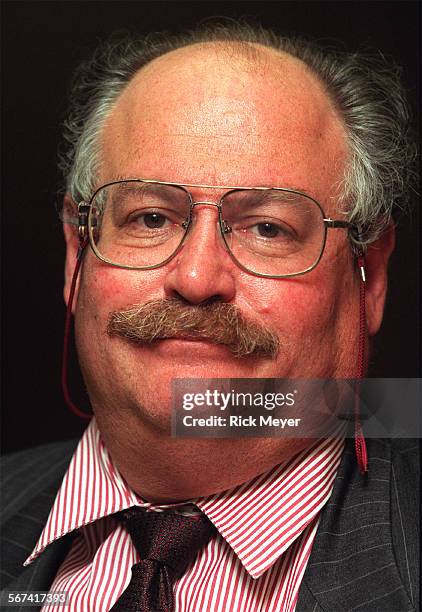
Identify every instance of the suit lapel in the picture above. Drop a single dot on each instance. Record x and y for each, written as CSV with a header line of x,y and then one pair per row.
x,y
352,564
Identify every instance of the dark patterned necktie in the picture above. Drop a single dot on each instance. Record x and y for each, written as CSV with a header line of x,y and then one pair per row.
x,y
166,542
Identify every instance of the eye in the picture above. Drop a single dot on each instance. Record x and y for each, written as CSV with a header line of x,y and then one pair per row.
x,y
266,230
272,230
153,220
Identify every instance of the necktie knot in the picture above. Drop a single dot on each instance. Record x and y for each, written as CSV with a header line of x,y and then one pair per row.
x,y
167,537
166,542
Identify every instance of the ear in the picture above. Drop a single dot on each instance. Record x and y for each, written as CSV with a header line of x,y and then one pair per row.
x,y
71,237
376,263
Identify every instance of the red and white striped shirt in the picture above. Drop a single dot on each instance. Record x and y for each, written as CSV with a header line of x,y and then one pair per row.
x,y
266,528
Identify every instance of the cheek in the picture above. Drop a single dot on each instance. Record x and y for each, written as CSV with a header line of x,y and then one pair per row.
x,y
317,321
322,302
294,306
105,289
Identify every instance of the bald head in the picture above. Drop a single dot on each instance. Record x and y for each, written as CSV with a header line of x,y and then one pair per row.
x,y
226,114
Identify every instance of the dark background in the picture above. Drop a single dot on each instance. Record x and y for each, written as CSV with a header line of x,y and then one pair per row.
x,y
42,43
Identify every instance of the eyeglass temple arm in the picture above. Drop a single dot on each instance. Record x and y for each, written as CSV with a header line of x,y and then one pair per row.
x,y
336,223
83,212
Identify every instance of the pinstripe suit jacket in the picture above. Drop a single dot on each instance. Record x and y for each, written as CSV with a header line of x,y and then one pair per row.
x,y
365,555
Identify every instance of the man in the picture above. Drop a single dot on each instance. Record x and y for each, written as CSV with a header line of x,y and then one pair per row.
x,y
190,269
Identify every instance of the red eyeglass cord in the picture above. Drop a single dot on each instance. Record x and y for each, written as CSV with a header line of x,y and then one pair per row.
x,y
360,444
68,323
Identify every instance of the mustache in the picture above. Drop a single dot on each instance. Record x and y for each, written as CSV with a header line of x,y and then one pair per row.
x,y
217,322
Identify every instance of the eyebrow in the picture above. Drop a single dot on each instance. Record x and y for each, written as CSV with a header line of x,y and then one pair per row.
x,y
161,192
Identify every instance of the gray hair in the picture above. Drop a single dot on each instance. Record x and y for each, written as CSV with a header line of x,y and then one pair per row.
x,y
365,89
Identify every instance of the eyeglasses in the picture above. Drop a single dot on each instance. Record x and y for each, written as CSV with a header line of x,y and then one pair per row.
x,y
141,224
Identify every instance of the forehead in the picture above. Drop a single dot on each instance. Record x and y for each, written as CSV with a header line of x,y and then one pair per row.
x,y
218,115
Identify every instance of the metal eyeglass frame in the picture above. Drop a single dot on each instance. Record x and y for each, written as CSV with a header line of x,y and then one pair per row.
x,y
86,226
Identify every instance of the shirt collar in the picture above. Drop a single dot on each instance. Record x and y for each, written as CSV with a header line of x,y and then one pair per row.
x,y
258,519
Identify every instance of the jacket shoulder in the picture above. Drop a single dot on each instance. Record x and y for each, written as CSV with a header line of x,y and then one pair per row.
x,y
24,474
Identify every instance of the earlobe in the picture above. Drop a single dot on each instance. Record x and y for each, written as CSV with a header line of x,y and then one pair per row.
x,y
376,264
72,245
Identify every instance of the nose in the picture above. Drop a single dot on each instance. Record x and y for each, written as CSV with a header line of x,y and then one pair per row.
x,y
203,269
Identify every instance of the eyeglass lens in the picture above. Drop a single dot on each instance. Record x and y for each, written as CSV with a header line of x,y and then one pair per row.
x,y
272,232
